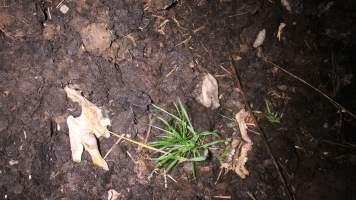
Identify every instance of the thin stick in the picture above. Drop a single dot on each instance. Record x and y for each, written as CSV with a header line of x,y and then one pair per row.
x,y
136,142
345,145
112,147
169,176
131,157
217,179
222,197
49,12
60,3
336,104
184,41
251,195
149,128
165,179
174,69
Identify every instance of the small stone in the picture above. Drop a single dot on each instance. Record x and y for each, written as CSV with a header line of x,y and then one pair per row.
x,y
64,9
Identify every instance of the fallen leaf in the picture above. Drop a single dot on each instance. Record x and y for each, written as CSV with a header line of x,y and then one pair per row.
x,y
260,38
239,147
113,195
83,129
208,94
280,30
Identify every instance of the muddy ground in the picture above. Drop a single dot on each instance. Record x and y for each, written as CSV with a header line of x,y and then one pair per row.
x,y
125,55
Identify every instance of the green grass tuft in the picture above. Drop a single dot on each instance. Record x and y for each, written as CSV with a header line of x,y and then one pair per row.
x,y
180,141
272,116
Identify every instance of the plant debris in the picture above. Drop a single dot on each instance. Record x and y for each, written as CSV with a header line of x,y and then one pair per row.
x,y
64,9
260,38
83,129
280,30
207,92
113,195
236,154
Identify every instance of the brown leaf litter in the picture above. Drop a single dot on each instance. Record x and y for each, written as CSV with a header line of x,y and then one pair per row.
x,y
239,147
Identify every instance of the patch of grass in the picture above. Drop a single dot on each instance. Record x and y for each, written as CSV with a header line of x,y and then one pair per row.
x,y
272,116
180,141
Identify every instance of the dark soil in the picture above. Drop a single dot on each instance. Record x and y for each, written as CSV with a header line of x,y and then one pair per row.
x,y
146,54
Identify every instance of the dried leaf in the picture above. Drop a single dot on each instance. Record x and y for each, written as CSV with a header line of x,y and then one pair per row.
x,y
260,38
239,147
113,195
208,92
240,168
280,30
83,129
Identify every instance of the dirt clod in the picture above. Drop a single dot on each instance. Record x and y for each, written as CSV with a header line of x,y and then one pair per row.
x,y
96,38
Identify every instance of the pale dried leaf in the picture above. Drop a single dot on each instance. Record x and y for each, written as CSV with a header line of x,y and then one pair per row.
x,y
280,30
238,155
83,129
208,92
240,168
113,195
260,38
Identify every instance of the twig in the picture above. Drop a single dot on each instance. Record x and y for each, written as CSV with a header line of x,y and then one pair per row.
x,y
136,142
184,41
223,68
177,22
198,29
222,197
251,195
60,3
217,179
131,157
336,104
49,13
165,179
149,128
169,176
263,135
174,69
344,145
112,147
